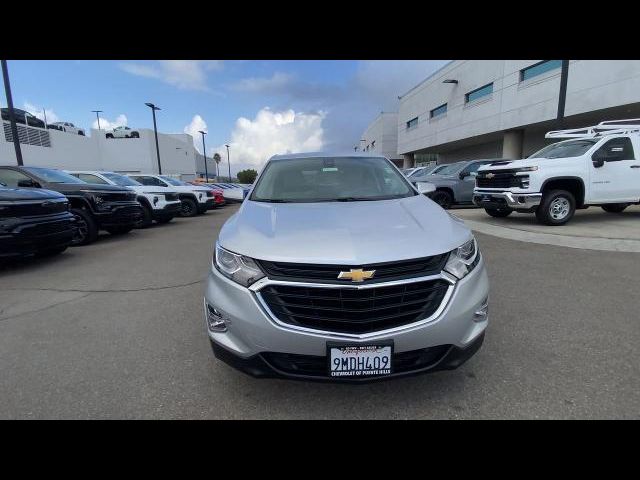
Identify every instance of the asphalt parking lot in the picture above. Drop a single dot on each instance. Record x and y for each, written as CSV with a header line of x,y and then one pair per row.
x,y
115,330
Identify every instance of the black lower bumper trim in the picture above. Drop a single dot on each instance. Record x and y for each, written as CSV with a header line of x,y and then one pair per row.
x,y
271,365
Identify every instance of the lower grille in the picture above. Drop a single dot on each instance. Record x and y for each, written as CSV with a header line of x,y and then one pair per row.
x,y
355,311
43,229
316,366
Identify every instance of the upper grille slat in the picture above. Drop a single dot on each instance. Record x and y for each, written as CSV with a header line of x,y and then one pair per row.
x,y
329,273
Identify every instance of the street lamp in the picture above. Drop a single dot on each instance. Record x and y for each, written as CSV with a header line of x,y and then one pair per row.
x,y
204,152
155,130
97,112
12,113
228,162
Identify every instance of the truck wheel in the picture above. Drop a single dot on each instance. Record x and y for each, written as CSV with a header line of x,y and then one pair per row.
x,y
557,207
188,208
498,213
147,218
109,135
86,228
121,230
135,135
615,207
442,198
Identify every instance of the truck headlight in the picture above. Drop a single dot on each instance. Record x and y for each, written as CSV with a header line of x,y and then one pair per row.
x,y
463,259
240,269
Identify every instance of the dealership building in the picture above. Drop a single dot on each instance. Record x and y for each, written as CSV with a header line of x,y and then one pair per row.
x,y
482,109
381,137
56,149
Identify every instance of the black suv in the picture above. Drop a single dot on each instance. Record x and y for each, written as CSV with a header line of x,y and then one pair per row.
x,y
34,222
95,207
22,117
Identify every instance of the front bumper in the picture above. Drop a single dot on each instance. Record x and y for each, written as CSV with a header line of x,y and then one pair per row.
x,y
253,339
169,209
500,200
37,234
119,214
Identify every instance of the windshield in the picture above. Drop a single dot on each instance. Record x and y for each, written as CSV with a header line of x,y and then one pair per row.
x,y
53,176
572,148
451,169
121,180
173,181
330,179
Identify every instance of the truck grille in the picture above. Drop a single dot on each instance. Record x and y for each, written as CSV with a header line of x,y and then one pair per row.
x,y
28,209
355,311
417,267
500,179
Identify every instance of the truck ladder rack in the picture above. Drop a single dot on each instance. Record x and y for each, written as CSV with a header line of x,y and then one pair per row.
x,y
609,127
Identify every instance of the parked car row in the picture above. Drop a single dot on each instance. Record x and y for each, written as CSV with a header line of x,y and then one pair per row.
x,y
44,210
594,166
26,118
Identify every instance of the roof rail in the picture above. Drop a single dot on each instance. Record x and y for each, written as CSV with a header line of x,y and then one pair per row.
x,y
609,127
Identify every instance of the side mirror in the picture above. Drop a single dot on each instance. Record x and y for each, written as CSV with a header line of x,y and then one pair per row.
x,y
425,187
597,162
27,184
463,175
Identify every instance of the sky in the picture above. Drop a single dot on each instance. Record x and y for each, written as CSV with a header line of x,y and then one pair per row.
x,y
260,108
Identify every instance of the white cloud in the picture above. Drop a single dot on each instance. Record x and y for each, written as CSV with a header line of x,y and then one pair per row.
x,y
38,112
269,133
184,74
274,83
197,123
106,124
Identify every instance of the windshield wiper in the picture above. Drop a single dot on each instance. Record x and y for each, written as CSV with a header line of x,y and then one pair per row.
x,y
274,200
353,199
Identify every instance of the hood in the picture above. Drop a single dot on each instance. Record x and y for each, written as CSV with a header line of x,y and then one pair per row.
x,y
349,233
435,178
20,194
524,162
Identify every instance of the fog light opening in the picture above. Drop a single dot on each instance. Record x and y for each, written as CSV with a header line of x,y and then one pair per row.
x,y
215,319
482,313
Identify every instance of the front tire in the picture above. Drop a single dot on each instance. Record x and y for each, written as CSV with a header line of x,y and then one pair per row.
x,y
147,217
615,207
557,208
135,135
109,135
188,208
86,227
498,213
442,198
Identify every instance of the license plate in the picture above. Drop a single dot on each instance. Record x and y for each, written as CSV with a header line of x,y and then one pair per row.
x,y
360,360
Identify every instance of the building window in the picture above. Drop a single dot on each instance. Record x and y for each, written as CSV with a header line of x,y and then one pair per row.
x,y
436,112
478,93
412,123
539,68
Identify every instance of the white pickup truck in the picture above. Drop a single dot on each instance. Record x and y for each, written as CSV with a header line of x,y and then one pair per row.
x,y
195,200
123,132
595,166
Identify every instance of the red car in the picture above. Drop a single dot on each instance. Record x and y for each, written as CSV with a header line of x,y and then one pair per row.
x,y
218,194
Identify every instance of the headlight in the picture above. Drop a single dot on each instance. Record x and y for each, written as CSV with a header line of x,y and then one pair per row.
x,y
527,169
240,269
463,259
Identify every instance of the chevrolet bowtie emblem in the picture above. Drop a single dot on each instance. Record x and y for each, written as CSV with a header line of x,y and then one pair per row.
x,y
357,275
490,175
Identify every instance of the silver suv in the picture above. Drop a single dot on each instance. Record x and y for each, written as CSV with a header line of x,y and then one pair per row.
x,y
337,268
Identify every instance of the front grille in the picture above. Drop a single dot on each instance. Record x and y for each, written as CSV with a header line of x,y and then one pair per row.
x,y
117,196
356,311
28,209
43,229
387,271
500,179
316,366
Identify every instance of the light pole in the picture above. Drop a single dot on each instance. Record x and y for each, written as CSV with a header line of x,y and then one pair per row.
x,y
155,131
204,152
562,97
228,162
97,112
12,114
